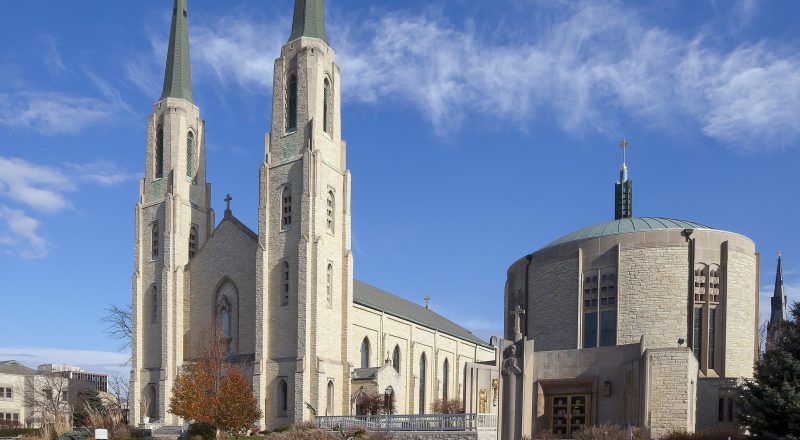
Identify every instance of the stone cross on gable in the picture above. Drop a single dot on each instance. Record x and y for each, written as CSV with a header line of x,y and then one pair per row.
x,y
427,301
228,199
518,312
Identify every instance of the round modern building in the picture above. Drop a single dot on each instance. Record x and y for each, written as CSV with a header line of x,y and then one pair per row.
x,y
635,317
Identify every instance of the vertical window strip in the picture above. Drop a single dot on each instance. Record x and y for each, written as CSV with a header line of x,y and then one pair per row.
x,y
445,379
712,335
154,241
325,122
330,212
159,153
329,287
190,154
285,300
286,208
291,104
422,382
192,242
697,333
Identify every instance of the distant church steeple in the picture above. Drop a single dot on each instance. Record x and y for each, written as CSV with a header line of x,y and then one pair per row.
x,y
623,194
778,314
309,20
177,75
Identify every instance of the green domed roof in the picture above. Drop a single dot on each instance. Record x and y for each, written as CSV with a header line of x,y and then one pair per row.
x,y
625,225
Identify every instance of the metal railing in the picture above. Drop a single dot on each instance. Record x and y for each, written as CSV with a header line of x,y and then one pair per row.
x,y
411,422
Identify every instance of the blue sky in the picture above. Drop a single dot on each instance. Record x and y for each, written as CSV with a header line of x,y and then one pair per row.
x,y
477,132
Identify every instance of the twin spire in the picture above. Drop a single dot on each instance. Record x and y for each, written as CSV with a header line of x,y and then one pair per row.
x,y
177,75
778,298
309,21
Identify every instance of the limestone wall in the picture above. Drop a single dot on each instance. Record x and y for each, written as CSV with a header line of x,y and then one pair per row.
x,y
671,389
553,305
741,314
709,392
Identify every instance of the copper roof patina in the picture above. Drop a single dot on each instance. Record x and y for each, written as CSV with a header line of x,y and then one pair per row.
x,y
626,225
309,20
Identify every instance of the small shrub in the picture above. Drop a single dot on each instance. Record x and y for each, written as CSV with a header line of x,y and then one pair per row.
x,y
609,432
449,406
137,433
282,428
73,435
202,431
15,432
706,434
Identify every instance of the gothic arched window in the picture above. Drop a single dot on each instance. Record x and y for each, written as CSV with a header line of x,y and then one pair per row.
x,y
331,205
365,353
326,123
445,379
422,380
329,409
291,103
329,287
283,397
154,240
286,208
159,154
152,407
190,154
396,358
285,299
192,241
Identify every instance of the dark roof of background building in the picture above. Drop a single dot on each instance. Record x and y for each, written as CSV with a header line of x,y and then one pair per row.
x,y
14,367
374,298
626,225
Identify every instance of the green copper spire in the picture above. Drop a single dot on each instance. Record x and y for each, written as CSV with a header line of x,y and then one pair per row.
x,y
177,75
309,20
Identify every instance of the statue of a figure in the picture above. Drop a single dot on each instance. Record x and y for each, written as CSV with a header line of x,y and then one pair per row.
x,y
512,393
510,362
225,321
482,401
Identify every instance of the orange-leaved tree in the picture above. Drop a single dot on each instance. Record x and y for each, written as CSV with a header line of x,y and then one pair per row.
x,y
214,391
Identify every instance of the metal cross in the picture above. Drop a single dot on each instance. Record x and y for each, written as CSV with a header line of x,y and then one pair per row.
x,y
624,144
228,202
427,301
517,312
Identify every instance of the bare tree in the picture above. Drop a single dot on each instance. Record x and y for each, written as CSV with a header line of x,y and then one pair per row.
x,y
119,324
49,401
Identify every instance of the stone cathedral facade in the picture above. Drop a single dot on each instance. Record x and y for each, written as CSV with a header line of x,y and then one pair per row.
x,y
311,338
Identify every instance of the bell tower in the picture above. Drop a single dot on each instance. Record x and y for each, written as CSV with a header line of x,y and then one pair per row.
x,y
304,263
173,220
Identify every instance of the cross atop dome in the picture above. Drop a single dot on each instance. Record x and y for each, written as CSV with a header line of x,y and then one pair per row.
x,y
623,194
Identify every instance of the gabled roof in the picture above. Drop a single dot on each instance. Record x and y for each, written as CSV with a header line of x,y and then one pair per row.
x,y
14,367
374,298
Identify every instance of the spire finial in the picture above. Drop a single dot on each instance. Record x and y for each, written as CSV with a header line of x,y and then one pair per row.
x,y
228,199
623,202
309,20
177,74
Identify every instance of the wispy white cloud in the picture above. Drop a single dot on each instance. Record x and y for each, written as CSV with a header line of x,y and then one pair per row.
x,y
89,360
44,189
587,67
19,234
52,112
51,55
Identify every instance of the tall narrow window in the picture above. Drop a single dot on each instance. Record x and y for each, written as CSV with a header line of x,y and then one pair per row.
x,y
329,287
154,318
283,397
712,336
326,123
329,410
590,329
190,154
396,358
446,379
192,241
697,333
365,353
422,382
285,299
608,309
159,154
154,241
286,208
330,212
291,103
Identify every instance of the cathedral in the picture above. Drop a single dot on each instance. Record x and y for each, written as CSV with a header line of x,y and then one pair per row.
x,y
312,339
